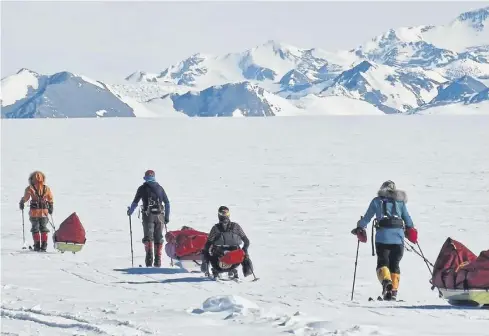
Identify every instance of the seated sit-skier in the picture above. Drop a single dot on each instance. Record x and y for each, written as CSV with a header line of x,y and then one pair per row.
x,y
391,220
224,236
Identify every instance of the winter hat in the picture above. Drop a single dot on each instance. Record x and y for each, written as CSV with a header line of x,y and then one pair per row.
x,y
149,175
223,213
388,185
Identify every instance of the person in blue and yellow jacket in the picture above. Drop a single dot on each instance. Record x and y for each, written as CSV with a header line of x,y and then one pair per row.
x,y
392,219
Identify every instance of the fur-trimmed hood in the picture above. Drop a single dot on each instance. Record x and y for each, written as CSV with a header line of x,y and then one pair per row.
x,y
398,195
37,178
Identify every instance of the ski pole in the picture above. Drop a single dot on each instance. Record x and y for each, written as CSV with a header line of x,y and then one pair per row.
x,y
166,231
52,223
372,238
413,249
422,254
355,273
426,261
23,231
440,294
130,233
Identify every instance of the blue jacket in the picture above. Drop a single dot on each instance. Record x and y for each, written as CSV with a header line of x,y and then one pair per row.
x,y
388,235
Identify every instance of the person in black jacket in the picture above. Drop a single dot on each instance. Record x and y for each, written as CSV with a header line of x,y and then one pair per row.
x,y
224,236
156,213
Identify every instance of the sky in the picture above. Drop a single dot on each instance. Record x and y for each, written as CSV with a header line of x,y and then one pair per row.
x,y
110,40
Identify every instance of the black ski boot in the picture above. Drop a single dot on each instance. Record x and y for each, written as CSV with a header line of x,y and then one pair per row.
x,y
394,295
215,274
37,246
233,274
44,246
387,290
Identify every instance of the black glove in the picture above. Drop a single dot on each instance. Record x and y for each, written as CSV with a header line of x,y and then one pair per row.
x,y
21,205
246,252
167,220
50,208
204,267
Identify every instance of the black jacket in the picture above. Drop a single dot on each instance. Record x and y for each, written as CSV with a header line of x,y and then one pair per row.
x,y
142,194
216,232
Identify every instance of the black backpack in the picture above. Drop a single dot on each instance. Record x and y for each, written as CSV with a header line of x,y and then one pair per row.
x,y
155,204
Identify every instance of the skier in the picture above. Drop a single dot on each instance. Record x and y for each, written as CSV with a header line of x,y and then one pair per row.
x,y
155,215
391,220
224,236
41,206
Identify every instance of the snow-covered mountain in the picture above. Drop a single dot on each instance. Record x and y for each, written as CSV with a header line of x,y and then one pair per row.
x,y
392,90
235,99
403,70
429,46
62,95
463,93
272,64
458,90
482,96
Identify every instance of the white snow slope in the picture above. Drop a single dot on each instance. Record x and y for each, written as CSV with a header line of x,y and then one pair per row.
x,y
297,197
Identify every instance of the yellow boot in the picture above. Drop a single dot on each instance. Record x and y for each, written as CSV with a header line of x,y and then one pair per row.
x,y
383,273
395,284
384,276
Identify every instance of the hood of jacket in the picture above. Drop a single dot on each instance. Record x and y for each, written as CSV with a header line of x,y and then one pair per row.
x,y
398,195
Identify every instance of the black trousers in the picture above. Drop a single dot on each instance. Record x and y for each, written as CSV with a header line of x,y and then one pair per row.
x,y
153,228
389,255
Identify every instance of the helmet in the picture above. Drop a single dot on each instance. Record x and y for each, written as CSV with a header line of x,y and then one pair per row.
x,y
388,185
223,213
149,175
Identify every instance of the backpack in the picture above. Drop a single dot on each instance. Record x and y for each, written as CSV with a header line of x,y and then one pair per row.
x,y
154,203
393,221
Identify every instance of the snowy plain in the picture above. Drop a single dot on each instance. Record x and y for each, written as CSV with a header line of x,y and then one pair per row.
x,y
296,185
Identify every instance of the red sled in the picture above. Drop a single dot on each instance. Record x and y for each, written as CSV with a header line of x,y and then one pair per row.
x,y
461,276
232,257
70,236
185,244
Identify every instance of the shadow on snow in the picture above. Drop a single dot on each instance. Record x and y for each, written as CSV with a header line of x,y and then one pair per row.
x,y
438,307
151,270
167,281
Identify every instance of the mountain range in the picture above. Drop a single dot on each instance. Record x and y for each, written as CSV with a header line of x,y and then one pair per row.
x,y
408,70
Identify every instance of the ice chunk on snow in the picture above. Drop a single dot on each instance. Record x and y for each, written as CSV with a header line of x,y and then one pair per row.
x,y
228,303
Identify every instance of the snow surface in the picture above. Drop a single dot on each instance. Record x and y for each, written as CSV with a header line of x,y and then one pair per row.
x,y
331,105
458,109
297,186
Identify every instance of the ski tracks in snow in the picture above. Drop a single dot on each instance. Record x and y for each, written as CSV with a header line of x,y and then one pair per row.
x,y
99,276
94,325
